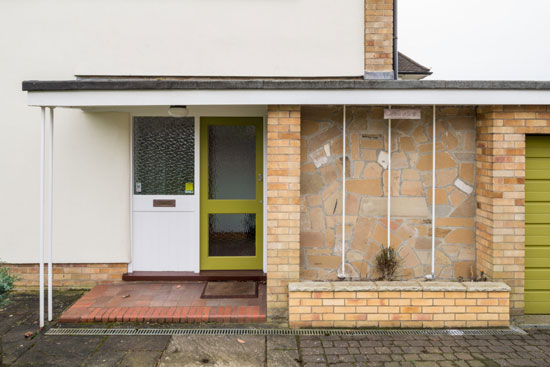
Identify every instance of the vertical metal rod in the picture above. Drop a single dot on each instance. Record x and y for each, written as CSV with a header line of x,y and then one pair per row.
x,y
132,186
41,242
50,224
343,271
389,181
395,47
433,195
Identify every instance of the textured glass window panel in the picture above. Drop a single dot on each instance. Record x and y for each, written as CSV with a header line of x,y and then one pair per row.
x,y
232,162
231,234
164,155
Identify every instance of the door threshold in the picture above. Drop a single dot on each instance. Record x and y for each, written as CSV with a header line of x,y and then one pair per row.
x,y
205,275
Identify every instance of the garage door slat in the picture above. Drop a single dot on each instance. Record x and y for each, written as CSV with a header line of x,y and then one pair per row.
x,y
537,240
541,152
537,218
537,224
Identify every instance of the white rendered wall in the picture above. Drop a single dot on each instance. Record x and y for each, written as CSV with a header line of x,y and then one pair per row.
x,y
91,188
59,39
184,37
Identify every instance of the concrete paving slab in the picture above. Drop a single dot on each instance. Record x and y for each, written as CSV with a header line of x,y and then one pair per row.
x,y
18,315
59,351
140,359
141,343
283,358
104,359
282,351
14,343
543,320
275,342
215,351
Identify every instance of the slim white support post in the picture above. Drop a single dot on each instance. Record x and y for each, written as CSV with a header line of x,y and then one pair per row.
x,y
389,181
50,223
433,195
42,163
342,274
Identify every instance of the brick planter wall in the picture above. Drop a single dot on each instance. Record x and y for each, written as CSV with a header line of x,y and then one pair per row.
x,y
399,304
500,217
69,275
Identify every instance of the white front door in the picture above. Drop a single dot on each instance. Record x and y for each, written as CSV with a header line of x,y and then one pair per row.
x,y
165,223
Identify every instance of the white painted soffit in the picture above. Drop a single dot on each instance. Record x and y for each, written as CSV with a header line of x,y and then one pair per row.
x,y
110,98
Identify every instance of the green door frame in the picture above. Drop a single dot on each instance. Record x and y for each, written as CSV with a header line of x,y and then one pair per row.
x,y
208,206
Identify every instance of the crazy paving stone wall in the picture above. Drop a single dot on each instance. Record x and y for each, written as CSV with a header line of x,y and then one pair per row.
x,y
366,163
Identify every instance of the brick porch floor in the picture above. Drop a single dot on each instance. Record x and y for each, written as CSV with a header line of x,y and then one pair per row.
x,y
163,302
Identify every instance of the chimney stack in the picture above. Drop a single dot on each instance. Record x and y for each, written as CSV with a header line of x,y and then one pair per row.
x,y
379,42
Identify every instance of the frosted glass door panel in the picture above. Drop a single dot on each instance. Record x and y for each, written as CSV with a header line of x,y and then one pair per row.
x,y
232,162
164,156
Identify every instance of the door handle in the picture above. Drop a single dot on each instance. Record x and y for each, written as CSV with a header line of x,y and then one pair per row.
x,y
260,177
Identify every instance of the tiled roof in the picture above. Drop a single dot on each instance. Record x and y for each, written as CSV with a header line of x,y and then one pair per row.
x,y
409,66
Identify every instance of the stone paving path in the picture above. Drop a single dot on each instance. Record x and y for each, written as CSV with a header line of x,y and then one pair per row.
x,y
427,351
287,351
18,317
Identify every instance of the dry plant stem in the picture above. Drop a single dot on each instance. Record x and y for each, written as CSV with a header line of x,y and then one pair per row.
x,y
387,263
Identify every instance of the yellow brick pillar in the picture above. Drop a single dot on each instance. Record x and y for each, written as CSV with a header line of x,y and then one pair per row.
x,y
500,191
283,207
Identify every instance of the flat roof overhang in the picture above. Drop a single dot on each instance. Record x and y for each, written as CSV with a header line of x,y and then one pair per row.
x,y
82,93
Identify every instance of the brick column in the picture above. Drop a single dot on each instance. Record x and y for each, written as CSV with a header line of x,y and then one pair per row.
x,y
378,39
500,216
283,207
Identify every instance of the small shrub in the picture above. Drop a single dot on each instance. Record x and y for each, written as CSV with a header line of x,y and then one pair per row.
x,y
482,277
387,263
7,281
474,276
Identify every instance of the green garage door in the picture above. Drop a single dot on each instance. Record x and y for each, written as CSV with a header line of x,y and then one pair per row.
x,y
537,225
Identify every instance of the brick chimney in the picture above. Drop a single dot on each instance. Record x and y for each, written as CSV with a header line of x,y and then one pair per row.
x,y
379,39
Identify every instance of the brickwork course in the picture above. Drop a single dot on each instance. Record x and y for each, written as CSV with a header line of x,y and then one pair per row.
x,y
366,192
378,35
500,159
400,309
69,275
283,206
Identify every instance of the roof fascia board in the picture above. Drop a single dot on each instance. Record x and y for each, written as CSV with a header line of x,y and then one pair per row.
x,y
112,98
269,84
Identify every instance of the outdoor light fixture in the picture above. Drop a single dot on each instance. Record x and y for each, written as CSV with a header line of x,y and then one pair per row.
x,y
178,111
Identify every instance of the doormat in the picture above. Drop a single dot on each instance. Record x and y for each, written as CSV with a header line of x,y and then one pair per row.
x,y
230,290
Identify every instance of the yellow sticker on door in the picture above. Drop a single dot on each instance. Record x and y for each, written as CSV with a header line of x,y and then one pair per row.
x,y
189,187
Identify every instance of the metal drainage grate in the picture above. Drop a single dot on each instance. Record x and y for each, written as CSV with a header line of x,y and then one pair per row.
x,y
327,332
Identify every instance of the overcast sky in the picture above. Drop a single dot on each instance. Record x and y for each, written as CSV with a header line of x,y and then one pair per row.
x,y
478,39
